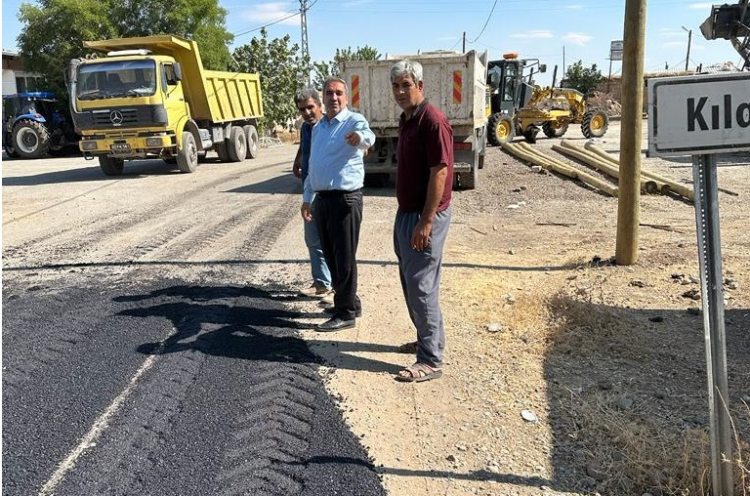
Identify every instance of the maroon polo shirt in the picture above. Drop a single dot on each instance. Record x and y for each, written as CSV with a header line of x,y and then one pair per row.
x,y
424,141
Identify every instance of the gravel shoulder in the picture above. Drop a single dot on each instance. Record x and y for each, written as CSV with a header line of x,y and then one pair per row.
x,y
609,359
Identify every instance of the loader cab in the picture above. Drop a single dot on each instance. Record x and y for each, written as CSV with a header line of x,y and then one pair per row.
x,y
510,83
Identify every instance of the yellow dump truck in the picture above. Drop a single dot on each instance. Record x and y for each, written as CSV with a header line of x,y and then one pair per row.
x,y
150,97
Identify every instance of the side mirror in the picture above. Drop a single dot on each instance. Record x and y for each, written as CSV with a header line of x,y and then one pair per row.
x,y
177,72
71,74
542,68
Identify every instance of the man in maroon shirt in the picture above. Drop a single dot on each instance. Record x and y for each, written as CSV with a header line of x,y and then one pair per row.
x,y
423,188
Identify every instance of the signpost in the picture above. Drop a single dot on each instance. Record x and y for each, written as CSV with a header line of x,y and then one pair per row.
x,y
615,50
615,53
702,116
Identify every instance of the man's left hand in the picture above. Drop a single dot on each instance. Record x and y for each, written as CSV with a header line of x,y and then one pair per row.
x,y
420,238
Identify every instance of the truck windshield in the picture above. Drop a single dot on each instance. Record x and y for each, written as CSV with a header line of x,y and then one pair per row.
x,y
116,79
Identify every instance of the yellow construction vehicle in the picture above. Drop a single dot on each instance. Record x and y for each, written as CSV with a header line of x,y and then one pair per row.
x,y
517,106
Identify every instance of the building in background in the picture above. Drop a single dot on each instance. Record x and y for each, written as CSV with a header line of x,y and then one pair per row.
x,y
15,78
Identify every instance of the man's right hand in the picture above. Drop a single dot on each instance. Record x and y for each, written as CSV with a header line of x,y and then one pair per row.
x,y
306,212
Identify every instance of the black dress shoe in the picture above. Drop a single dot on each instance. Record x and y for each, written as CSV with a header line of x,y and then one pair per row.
x,y
335,324
332,311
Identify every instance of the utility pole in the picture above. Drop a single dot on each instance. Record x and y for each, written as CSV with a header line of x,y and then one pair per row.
x,y
690,40
305,46
464,45
628,208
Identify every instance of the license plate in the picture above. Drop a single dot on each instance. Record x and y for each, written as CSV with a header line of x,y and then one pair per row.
x,y
120,147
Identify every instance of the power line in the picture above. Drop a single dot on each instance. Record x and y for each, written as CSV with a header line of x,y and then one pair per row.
x,y
485,23
292,14
242,33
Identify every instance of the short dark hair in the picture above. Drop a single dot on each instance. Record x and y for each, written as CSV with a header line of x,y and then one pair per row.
x,y
307,93
335,79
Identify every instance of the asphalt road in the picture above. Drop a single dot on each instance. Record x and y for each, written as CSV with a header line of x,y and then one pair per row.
x,y
130,367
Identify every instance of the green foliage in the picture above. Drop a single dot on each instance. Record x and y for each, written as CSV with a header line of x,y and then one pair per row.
x,y
583,79
324,70
54,30
282,71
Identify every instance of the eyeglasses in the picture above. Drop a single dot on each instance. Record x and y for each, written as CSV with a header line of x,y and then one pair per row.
x,y
309,108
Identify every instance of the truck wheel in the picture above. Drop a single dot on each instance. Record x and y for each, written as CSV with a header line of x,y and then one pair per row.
x,y
187,155
111,166
468,180
377,179
595,123
251,136
30,138
499,129
237,146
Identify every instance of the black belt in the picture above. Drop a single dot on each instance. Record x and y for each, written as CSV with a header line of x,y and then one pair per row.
x,y
330,193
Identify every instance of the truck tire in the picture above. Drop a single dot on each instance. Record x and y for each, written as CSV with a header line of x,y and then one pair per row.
x,y
251,136
30,138
187,155
377,179
468,180
499,129
111,166
595,123
237,145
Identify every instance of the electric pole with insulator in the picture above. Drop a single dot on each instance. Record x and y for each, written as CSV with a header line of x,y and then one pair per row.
x,y
305,46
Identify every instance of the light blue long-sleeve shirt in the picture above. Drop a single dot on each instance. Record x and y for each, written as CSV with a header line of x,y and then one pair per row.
x,y
334,163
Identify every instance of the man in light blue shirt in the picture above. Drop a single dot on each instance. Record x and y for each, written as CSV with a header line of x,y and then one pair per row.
x,y
335,179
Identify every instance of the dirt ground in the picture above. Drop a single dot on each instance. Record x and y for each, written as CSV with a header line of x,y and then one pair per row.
x,y
565,374
608,360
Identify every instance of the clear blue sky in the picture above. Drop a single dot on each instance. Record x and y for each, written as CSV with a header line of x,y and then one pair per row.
x,y
558,32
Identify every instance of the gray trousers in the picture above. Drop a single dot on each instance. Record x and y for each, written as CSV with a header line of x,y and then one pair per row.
x,y
420,281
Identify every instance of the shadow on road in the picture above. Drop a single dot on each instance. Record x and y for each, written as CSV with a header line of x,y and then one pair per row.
x,y
239,322
133,170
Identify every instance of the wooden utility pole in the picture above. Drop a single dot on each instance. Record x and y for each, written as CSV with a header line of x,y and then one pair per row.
x,y
628,204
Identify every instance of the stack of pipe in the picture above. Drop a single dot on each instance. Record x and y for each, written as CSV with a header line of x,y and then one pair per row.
x,y
667,185
526,152
603,165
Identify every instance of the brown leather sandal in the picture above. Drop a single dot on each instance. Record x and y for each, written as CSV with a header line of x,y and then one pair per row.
x,y
419,372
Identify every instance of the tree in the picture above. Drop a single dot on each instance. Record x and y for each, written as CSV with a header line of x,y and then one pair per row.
x,y
324,70
582,79
282,71
54,30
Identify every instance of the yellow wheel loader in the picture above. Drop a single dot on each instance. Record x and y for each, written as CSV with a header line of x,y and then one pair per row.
x,y
519,107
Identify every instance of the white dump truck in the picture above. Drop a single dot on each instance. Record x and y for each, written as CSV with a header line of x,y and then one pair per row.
x,y
453,82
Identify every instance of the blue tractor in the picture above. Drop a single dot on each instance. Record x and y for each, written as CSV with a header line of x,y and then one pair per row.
x,y
34,124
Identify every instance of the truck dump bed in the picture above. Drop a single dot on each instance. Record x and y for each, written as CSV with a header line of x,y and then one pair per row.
x,y
215,96
455,83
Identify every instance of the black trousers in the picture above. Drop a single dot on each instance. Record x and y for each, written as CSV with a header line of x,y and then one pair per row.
x,y
338,216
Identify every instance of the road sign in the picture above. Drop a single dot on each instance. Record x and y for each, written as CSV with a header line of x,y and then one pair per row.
x,y
698,115
615,50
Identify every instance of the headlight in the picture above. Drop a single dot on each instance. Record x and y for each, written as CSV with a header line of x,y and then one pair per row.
x,y
153,141
87,146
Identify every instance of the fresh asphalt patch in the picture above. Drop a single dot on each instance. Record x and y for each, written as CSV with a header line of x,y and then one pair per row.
x,y
172,389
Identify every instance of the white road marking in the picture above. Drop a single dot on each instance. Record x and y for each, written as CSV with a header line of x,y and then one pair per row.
x,y
89,440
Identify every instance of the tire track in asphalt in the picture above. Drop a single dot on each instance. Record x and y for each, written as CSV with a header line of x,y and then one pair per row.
x,y
103,226
207,235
